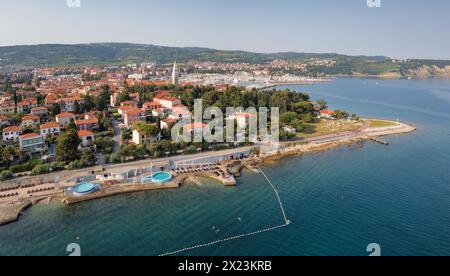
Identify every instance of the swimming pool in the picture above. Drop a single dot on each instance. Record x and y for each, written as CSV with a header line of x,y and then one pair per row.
x,y
84,189
158,178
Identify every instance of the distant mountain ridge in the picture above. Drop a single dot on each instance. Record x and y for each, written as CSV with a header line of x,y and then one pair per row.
x,y
123,53
76,54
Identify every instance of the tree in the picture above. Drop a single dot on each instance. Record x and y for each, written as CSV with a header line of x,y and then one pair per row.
x,y
124,96
105,122
72,125
322,104
126,135
101,102
288,117
88,104
77,108
5,175
88,158
56,109
104,145
340,114
303,107
8,153
67,148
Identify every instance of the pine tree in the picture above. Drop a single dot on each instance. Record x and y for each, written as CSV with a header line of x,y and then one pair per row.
x,y
67,148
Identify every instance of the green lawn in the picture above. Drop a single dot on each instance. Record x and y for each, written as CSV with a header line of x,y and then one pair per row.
x,y
381,123
325,127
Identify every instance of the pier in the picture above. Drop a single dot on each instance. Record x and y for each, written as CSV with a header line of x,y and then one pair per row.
x,y
376,140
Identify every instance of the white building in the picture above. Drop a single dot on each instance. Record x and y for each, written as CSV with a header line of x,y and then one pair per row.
x,y
31,143
50,129
64,119
140,138
87,138
11,133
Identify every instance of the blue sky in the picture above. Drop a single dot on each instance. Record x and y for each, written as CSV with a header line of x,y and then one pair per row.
x,y
399,29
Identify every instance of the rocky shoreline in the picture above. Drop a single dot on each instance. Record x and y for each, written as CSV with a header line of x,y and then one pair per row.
x,y
10,213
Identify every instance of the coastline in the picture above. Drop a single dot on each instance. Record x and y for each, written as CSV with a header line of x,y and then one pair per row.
x,y
11,213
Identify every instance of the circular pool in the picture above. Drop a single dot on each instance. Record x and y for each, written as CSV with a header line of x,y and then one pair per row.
x,y
158,178
84,189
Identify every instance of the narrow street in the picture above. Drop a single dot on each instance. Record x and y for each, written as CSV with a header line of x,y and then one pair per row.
x,y
117,136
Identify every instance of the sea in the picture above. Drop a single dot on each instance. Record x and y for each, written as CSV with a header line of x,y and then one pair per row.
x,y
338,201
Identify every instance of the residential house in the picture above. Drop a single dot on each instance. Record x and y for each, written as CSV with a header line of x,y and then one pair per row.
x,y
64,118
31,143
167,122
4,120
68,104
159,112
40,111
50,99
141,138
91,115
51,128
26,105
135,97
30,121
89,124
150,106
132,116
129,103
7,108
327,114
167,101
11,133
87,138
123,109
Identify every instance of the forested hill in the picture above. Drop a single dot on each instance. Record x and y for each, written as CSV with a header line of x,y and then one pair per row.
x,y
123,53
113,53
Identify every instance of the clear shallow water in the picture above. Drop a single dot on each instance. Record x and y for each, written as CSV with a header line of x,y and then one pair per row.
x,y
339,201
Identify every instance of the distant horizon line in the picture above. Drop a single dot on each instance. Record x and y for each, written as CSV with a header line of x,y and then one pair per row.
x,y
225,50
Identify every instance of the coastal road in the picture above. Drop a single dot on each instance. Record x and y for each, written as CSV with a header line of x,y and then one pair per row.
x,y
62,175
117,136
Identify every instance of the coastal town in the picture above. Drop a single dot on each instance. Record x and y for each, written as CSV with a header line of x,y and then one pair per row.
x,y
73,135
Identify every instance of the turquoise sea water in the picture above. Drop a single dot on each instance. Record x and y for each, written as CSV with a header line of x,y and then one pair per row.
x,y
339,201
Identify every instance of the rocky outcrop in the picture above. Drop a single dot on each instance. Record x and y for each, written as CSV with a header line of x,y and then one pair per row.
x,y
426,71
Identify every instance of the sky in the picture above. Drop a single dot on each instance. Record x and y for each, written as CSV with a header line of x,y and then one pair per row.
x,y
398,29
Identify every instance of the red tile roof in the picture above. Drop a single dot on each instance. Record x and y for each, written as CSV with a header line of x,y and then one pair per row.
x,y
39,108
170,120
12,129
328,112
49,125
134,112
65,115
30,118
192,126
151,104
29,136
87,122
84,133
